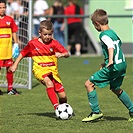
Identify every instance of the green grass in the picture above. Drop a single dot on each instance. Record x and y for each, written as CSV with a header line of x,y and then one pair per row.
x,y
32,112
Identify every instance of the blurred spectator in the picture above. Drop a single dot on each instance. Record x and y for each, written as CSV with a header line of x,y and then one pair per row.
x,y
57,9
14,9
25,4
23,24
75,27
8,51
40,9
9,8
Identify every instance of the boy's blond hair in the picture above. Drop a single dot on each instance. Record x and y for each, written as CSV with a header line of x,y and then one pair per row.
x,y
100,16
46,24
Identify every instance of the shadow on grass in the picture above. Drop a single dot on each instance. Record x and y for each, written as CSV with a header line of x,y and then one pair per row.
x,y
35,85
47,114
52,115
110,118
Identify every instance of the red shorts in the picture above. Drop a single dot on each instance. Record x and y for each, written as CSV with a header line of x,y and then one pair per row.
x,y
6,63
58,86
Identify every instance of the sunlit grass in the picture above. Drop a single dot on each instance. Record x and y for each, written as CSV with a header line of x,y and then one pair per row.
x,y
32,112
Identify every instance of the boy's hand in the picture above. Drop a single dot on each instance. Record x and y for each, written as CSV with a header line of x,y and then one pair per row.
x,y
58,55
102,65
15,50
109,64
12,68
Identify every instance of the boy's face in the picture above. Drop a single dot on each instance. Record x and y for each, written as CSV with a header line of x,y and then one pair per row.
x,y
2,9
46,35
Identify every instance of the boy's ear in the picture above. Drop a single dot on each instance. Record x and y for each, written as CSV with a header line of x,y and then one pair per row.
x,y
39,32
96,23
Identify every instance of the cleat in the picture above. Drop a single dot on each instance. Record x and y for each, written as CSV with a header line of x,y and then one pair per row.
x,y
1,93
131,117
93,116
13,92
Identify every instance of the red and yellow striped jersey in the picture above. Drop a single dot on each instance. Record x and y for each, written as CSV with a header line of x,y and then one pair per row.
x,y
43,56
7,27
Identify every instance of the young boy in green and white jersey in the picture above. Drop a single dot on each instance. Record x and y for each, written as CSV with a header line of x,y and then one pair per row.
x,y
112,71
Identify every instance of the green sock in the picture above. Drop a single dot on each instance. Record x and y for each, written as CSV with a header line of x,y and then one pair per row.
x,y
93,101
126,101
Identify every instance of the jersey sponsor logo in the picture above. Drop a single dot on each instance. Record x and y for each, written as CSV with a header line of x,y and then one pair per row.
x,y
47,64
4,35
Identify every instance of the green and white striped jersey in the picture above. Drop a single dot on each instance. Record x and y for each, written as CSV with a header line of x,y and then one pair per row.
x,y
109,39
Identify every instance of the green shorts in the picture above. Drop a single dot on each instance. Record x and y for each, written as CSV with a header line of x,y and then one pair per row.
x,y
105,77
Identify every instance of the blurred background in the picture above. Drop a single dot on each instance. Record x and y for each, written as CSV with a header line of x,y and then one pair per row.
x,y
29,13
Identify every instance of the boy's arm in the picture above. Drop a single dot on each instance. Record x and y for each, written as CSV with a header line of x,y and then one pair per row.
x,y
110,52
110,45
58,55
15,65
15,37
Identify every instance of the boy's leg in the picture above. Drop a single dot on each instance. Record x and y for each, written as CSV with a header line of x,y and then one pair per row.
x,y
126,101
9,77
59,89
48,82
52,96
10,90
100,79
122,95
62,97
93,101
124,98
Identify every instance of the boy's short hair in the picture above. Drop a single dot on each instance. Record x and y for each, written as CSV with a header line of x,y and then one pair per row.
x,y
46,24
3,1
100,16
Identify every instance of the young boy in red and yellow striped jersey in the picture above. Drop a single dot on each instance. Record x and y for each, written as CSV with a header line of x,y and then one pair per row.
x,y
45,51
8,30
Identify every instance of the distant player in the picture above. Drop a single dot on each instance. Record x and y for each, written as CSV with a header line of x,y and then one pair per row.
x,y
112,71
45,51
8,29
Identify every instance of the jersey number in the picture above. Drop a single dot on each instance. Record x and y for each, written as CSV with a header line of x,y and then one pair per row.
x,y
117,60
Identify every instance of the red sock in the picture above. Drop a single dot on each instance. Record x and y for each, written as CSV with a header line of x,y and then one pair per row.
x,y
9,77
52,96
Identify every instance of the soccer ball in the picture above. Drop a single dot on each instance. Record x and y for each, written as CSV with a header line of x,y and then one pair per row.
x,y
64,111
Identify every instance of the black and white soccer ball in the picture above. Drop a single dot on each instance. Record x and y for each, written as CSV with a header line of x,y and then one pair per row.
x,y
64,111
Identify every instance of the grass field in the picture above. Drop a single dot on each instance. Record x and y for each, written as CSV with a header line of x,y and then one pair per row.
x,y
32,112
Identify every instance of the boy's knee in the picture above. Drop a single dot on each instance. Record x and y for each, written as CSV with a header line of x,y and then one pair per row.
x,y
88,84
49,84
117,92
